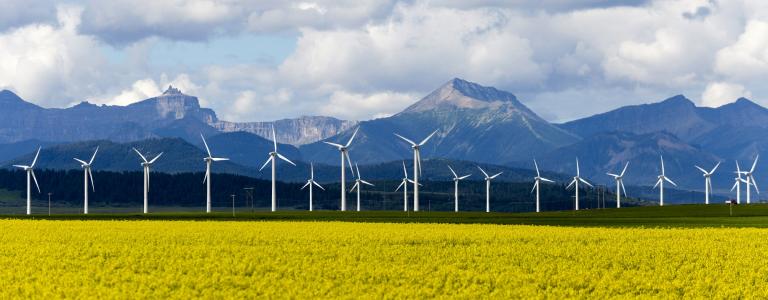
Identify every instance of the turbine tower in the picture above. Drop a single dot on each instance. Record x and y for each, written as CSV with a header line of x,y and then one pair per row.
x,y
456,180
575,183
404,185
86,175
310,182
488,188
751,179
707,181
30,174
416,166
737,184
273,156
146,165
357,185
537,184
207,180
620,184
660,183
344,150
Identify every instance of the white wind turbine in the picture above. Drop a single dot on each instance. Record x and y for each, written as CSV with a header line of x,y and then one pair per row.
x,y
537,184
310,182
344,150
620,184
146,165
416,166
488,188
30,174
456,180
357,185
273,156
575,183
404,185
86,175
707,181
660,183
207,180
737,184
751,179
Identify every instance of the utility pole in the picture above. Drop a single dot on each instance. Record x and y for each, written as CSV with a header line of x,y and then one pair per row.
x,y
249,196
49,203
233,205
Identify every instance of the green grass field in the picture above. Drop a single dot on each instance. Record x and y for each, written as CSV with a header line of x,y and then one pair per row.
x,y
715,215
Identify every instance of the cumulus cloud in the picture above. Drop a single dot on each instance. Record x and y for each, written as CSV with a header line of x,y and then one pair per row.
x,y
719,93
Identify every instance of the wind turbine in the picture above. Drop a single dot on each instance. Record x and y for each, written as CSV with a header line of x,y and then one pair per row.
x,y
207,180
404,185
310,182
707,181
145,165
751,179
273,156
456,180
30,174
488,188
620,184
357,185
537,184
737,184
416,166
86,175
660,183
344,150
575,182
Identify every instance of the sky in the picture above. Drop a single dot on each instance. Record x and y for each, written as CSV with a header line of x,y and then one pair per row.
x,y
361,59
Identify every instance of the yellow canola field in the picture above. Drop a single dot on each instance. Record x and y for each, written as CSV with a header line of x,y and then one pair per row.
x,y
177,259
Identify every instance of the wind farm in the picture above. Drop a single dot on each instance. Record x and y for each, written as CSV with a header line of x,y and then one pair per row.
x,y
414,149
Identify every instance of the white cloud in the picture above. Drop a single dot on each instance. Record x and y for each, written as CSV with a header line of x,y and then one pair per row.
x,y
355,106
719,93
748,57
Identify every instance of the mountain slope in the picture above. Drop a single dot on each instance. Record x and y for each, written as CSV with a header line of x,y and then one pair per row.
x,y
298,131
473,122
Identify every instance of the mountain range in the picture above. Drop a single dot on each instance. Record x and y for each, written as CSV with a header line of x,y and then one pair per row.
x,y
473,124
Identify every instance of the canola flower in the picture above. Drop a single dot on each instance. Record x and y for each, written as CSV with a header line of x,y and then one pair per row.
x,y
182,260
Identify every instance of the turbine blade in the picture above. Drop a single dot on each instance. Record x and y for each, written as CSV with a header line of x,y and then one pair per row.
x,y
577,167
535,184
399,186
140,155
481,170
625,169
35,179
306,184
205,179
90,174
670,181
657,183
357,184
312,171
715,168
700,169
407,140
734,185
358,171
585,182
206,146
285,159
21,166
418,160
405,171
611,174
219,159
428,137
662,165
155,159
318,185
349,162
754,164
274,137
452,172
547,180
353,137
571,184
738,169
265,163
621,182
537,168
80,161
464,177
94,155
334,144
34,161
754,182
366,182
497,175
